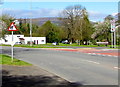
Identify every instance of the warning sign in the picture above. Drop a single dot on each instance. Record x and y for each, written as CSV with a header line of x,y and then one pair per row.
x,y
12,27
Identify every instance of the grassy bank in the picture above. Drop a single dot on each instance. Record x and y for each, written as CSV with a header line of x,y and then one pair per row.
x,y
6,60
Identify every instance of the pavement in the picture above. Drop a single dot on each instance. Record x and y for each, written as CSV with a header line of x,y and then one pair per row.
x,y
31,76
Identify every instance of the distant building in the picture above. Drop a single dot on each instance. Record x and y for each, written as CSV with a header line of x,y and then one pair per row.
x,y
20,39
35,40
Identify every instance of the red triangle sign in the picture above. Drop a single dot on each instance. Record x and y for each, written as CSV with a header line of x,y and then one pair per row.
x,y
12,27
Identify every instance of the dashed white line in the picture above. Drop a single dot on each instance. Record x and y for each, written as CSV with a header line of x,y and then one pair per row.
x,y
116,67
101,55
91,61
109,55
89,53
94,53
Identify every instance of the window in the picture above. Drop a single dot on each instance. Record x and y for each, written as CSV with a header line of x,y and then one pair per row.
x,y
42,40
6,40
18,36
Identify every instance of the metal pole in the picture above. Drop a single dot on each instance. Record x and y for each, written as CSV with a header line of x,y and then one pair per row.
x,y
112,39
12,47
30,32
31,24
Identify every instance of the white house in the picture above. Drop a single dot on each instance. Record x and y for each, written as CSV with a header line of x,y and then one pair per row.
x,y
35,40
17,39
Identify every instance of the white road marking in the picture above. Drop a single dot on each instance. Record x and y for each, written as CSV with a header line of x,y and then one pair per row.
x,y
101,55
109,55
94,62
89,53
91,61
94,53
116,67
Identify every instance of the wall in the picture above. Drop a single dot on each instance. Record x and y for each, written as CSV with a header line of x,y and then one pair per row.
x,y
37,40
8,38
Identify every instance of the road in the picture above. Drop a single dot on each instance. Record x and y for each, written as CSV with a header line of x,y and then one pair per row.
x,y
73,66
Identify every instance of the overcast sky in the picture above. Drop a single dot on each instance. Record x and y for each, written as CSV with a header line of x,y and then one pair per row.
x,y
97,10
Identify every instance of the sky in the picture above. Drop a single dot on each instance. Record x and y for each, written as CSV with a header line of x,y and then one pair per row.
x,y
60,0
97,10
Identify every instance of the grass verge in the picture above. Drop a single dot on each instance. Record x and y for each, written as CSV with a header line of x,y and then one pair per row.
x,y
6,60
61,45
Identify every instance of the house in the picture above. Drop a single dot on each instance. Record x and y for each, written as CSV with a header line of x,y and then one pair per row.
x,y
35,40
20,39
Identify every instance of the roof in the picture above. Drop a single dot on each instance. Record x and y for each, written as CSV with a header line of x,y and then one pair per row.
x,y
21,38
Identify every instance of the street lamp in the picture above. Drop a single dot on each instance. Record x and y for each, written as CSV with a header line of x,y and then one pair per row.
x,y
31,24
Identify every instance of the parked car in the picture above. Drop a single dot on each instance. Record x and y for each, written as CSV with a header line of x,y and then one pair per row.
x,y
55,43
18,43
65,42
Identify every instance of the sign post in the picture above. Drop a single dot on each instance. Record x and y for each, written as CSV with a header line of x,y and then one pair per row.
x,y
12,46
12,28
113,35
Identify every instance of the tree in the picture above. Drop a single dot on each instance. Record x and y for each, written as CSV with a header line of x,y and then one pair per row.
x,y
5,23
109,17
24,28
102,32
2,28
75,19
85,29
51,32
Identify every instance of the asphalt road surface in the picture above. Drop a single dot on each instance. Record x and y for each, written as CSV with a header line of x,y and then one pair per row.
x,y
72,66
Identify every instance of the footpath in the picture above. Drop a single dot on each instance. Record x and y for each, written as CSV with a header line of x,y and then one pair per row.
x,y
31,76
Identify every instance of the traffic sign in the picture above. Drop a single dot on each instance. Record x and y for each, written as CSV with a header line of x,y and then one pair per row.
x,y
12,27
112,28
112,25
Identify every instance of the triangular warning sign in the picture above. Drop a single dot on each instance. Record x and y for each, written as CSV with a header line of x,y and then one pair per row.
x,y
12,27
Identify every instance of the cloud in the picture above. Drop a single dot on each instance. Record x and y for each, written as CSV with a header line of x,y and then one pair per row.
x,y
114,14
97,16
32,13
36,13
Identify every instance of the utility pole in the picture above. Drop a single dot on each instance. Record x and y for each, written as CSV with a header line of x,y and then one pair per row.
x,y
31,24
113,34
12,47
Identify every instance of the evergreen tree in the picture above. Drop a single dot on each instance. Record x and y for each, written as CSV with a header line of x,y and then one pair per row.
x,y
51,32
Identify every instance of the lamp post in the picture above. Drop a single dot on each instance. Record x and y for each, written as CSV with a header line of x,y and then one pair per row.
x,y
113,34
31,24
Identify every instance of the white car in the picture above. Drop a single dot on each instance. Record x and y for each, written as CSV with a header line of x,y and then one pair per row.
x,y
65,42
18,43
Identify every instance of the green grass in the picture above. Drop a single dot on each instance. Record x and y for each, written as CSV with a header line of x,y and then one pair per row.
x,y
6,60
49,45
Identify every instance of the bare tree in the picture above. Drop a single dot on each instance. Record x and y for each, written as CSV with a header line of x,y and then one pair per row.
x,y
72,18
